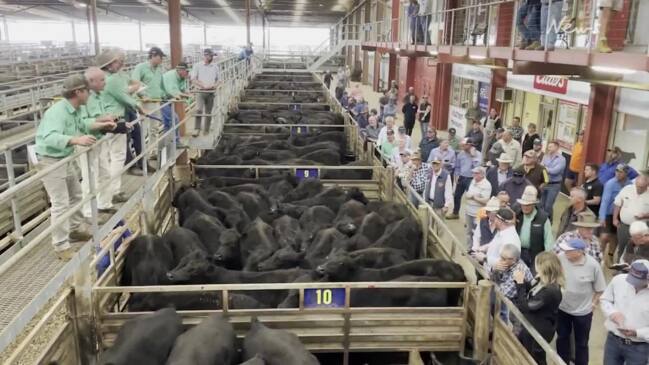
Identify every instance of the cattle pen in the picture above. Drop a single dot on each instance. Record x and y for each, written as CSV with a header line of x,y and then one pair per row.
x,y
473,332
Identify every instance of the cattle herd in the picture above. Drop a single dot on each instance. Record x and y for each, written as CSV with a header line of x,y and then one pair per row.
x,y
249,226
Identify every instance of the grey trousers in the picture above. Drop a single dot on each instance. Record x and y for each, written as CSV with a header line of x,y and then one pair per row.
x,y
64,190
204,104
623,237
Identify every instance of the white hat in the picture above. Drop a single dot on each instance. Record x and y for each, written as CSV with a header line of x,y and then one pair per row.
x,y
529,197
504,158
493,205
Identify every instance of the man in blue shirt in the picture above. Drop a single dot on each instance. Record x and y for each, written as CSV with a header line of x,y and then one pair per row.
x,y
613,159
555,163
467,159
608,232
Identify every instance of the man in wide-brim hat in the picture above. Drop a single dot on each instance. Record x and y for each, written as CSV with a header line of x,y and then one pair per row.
x,y
585,227
498,174
533,226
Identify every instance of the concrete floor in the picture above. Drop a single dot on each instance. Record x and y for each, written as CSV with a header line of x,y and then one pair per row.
x,y
598,332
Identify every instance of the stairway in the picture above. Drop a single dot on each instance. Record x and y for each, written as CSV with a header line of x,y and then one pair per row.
x,y
330,52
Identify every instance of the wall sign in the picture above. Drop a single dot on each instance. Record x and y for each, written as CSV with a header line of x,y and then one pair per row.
x,y
457,120
567,121
554,84
483,97
471,72
324,298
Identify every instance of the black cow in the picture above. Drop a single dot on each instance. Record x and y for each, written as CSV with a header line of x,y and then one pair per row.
x,y
229,253
257,360
372,226
145,340
208,228
322,244
257,244
284,258
314,219
211,341
350,216
378,257
183,242
405,235
305,189
287,232
276,347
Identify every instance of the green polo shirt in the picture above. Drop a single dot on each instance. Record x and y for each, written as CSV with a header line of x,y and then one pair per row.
x,y
93,109
60,123
115,95
173,84
151,77
548,240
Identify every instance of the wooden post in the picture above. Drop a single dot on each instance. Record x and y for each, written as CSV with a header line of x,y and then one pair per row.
x,y
482,319
414,358
424,217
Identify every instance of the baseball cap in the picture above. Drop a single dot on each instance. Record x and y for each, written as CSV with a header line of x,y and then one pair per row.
x,y
622,167
74,82
415,155
573,244
467,140
529,153
402,129
208,52
182,66
451,130
156,51
518,172
638,275
537,141
505,214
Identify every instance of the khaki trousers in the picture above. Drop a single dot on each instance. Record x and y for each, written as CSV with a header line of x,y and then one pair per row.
x,y
116,146
99,161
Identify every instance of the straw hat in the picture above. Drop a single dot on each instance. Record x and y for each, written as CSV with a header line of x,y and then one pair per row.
x,y
493,205
504,158
106,57
529,196
586,220
416,156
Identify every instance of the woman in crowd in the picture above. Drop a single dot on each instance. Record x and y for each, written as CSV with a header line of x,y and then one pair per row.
x,y
539,301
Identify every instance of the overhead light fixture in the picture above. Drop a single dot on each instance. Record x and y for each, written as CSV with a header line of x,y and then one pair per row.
x,y
433,53
476,57
397,49
613,70
80,5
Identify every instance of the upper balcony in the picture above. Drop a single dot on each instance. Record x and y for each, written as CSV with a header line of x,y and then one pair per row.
x,y
483,31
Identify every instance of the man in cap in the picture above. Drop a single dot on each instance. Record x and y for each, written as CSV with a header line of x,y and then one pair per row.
x,y
625,303
533,227
485,226
445,154
476,135
537,147
477,196
608,232
99,159
631,204
516,130
174,84
613,159
577,206
205,77
453,140
555,163
506,228
417,175
584,285
502,271
496,175
516,184
428,143
62,128
467,159
493,153
150,73
638,246
117,100
438,190
511,147
534,172
584,229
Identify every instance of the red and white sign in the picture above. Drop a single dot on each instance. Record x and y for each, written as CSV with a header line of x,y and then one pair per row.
x,y
554,84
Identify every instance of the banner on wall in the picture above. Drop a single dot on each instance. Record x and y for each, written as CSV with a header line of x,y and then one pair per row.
x,y
483,97
457,120
567,122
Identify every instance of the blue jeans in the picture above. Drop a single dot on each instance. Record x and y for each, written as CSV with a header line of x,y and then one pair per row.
x,y
531,31
133,142
470,222
413,29
580,325
554,12
462,186
548,196
424,23
616,352
168,117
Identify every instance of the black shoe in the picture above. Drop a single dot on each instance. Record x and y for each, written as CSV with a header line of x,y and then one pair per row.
x,y
120,198
107,210
151,169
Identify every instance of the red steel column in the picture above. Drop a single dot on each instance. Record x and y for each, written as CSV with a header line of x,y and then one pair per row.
x,y
247,22
377,70
392,69
394,20
175,38
600,118
439,118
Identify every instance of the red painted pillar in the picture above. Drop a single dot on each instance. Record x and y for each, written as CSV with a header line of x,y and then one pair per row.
x,y
600,118
440,101
392,69
394,20
504,24
377,70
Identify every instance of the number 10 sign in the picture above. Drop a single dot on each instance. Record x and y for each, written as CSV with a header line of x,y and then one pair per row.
x,y
324,298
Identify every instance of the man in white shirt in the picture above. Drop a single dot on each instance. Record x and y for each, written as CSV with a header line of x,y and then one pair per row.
x,y
506,227
383,133
625,304
477,196
630,205
204,76
438,191
511,147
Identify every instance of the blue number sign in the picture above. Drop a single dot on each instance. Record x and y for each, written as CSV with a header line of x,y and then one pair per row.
x,y
301,174
324,298
299,130
295,107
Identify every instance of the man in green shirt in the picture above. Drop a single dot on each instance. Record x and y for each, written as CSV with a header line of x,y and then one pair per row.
x,y
174,84
63,126
99,159
533,227
150,74
117,99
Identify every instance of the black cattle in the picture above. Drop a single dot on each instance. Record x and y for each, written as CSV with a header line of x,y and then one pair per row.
x,y
343,268
219,198
243,301
147,262
183,242
390,211
350,215
208,229
372,226
287,232
257,244
145,340
402,297
284,258
188,200
347,174
210,342
253,204
276,347
229,253
322,244
378,257
314,219
256,360
323,156
305,189
405,235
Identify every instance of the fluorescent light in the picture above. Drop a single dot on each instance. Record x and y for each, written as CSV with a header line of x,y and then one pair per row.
x,y
476,57
433,53
613,70
397,49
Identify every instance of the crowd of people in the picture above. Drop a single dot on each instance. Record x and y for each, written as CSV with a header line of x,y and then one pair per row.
x,y
105,103
509,184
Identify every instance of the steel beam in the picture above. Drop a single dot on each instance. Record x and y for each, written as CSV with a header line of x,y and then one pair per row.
x,y
95,29
247,22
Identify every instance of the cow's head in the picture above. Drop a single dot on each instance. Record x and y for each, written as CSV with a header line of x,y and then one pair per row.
x,y
190,266
337,268
283,258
